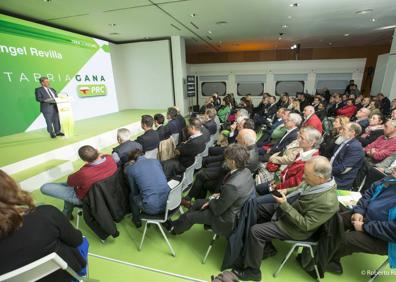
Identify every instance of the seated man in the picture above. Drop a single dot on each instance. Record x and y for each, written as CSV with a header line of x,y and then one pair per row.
x,y
120,153
379,171
97,167
371,224
221,211
348,157
162,130
362,118
173,124
383,146
150,138
316,204
186,151
291,124
148,186
277,127
209,179
311,119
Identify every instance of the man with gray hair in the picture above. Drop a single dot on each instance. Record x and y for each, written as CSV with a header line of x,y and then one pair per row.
x,y
362,117
120,153
316,203
311,119
291,124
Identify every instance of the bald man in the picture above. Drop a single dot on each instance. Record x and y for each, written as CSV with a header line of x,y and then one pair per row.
x,y
211,178
311,119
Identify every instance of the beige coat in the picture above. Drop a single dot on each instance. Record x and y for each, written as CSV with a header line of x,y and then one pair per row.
x,y
166,149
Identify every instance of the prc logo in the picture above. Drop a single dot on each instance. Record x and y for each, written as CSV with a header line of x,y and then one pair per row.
x,y
91,90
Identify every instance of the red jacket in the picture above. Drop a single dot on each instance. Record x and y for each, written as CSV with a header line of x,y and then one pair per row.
x,y
315,122
292,175
88,174
348,111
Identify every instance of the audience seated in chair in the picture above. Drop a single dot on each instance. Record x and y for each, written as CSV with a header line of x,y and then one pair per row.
x,y
222,209
316,204
379,171
186,151
371,225
311,119
363,118
383,146
148,186
97,167
348,110
210,123
28,233
274,131
162,130
330,141
120,153
374,130
348,157
210,179
150,138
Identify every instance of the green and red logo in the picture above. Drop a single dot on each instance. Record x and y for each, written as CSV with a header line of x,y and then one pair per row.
x,y
91,90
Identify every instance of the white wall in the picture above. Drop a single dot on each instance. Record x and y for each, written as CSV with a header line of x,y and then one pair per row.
x,y
307,67
379,75
180,73
143,74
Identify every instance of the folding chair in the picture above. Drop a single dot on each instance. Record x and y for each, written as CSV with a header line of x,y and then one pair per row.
x,y
199,161
296,244
215,236
189,175
378,271
152,154
40,269
175,137
172,206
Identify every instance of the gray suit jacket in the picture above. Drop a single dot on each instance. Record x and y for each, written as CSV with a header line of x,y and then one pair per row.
x,y
41,96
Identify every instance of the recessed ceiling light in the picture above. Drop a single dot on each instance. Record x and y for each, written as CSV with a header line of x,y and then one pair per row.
x,y
346,34
279,38
222,22
112,24
289,17
284,26
210,32
373,20
364,12
114,33
193,15
294,5
330,43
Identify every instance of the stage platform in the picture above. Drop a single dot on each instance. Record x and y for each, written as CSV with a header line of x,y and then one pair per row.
x,y
33,157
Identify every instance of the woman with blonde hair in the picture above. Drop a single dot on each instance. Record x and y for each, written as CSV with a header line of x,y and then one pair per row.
x,y
28,233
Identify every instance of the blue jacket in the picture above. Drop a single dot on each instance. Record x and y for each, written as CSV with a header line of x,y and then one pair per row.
x,y
284,141
347,163
148,176
378,206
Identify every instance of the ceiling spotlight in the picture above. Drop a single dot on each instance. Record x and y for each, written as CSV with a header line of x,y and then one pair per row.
x,y
112,24
284,26
294,5
289,17
193,15
279,38
364,12
346,34
373,20
293,47
210,32
330,43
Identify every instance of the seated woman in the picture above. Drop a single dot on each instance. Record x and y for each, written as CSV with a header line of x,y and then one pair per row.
x,y
335,138
28,233
309,140
221,211
148,186
373,131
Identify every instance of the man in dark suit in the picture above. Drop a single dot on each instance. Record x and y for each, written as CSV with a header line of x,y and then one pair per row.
x,y
162,130
347,157
46,96
150,138
121,152
186,151
222,209
291,123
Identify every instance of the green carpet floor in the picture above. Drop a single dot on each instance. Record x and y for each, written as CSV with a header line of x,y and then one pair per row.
x,y
21,146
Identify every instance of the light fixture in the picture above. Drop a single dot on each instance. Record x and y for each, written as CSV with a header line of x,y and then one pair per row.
x,y
364,12
294,5
112,24
210,32
222,22
293,47
346,34
289,17
373,20
330,43
279,38
47,1
284,26
193,15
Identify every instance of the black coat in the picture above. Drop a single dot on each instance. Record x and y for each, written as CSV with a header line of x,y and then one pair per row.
x,y
106,203
149,140
211,126
163,132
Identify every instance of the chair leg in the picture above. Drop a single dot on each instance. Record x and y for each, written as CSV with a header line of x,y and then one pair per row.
x,y
181,210
209,248
284,260
377,271
315,266
166,239
144,235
